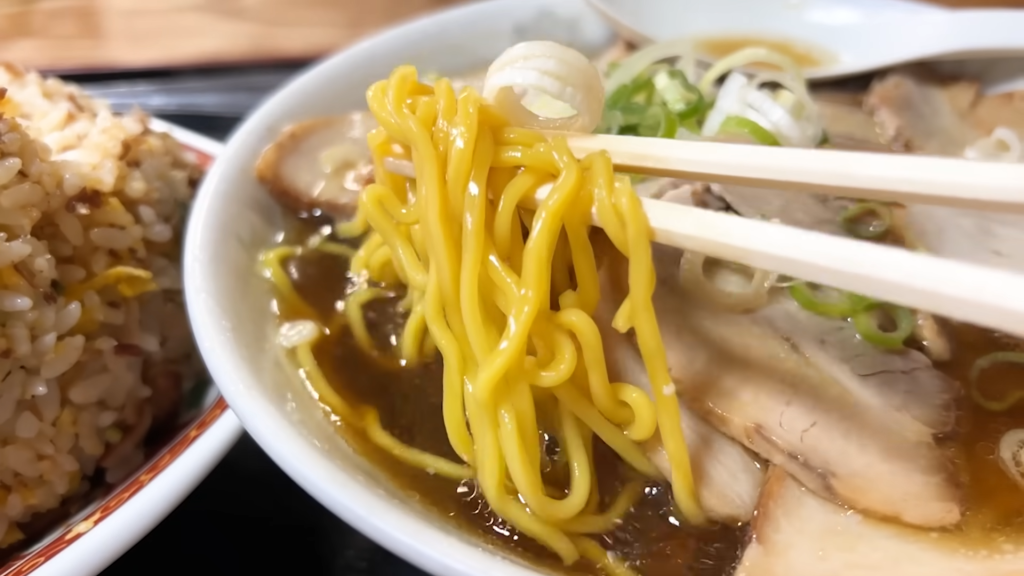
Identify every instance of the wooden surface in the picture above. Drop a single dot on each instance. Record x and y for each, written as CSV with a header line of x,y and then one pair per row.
x,y
981,3
87,35
78,35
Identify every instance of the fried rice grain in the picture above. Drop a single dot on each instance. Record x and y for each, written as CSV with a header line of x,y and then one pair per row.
x,y
92,205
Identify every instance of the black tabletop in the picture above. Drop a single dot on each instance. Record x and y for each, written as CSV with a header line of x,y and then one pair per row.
x,y
247,517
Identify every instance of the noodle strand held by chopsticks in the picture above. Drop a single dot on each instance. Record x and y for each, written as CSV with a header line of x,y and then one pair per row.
x,y
480,269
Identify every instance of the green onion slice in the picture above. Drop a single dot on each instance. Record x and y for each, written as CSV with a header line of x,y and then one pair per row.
x,y
680,97
658,122
1008,401
853,220
866,323
842,305
739,125
624,119
640,90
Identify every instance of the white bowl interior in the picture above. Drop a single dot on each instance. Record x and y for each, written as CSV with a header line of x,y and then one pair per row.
x,y
229,304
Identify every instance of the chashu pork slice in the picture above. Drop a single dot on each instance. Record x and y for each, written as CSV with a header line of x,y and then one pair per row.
x,y
797,533
728,476
920,113
827,419
320,164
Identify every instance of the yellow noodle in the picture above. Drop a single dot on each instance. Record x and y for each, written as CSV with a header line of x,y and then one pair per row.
x,y
360,260
606,521
408,266
272,264
506,221
353,228
381,267
407,301
412,456
335,248
525,471
589,337
380,148
480,261
453,403
641,290
356,320
412,344
561,266
612,435
369,421
515,136
536,274
539,158
605,561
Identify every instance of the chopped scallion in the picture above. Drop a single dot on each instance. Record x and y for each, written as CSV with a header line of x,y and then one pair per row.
x,y
738,125
680,97
1008,401
841,305
853,220
640,90
654,103
658,122
867,322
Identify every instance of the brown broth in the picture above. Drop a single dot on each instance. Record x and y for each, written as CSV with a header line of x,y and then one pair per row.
x,y
803,55
994,503
651,539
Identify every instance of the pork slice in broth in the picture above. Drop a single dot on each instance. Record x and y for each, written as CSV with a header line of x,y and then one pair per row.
x,y
918,113
820,213
728,476
841,436
800,209
797,533
756,387
320,164
846,123
921,114
903,383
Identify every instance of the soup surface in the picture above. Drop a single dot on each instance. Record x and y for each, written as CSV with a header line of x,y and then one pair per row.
x,y
883,414
805,55
653,540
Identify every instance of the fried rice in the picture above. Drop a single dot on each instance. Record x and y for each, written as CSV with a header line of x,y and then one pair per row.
x,y
94,348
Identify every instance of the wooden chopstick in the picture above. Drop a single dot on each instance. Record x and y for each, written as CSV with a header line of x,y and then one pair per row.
x,y
967,292
903,178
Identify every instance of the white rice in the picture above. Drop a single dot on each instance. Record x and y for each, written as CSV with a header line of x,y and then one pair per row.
x,y
89,201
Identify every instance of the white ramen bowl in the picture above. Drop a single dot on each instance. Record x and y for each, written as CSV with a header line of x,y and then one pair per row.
x,y
229,303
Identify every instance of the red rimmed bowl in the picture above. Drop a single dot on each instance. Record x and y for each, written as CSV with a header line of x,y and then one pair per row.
x,y
107,526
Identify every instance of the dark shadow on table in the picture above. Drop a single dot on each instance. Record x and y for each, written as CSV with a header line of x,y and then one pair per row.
x,y
248,517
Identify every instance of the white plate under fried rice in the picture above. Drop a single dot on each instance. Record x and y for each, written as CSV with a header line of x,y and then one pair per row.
x,y
96,356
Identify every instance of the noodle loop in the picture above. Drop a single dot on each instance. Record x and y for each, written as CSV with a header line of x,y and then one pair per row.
x,y
477,272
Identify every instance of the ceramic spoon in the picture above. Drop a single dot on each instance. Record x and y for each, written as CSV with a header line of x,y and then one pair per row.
x,y
848,37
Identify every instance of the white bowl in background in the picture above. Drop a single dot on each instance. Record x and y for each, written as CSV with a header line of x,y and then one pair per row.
x,y
838,27
229,304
